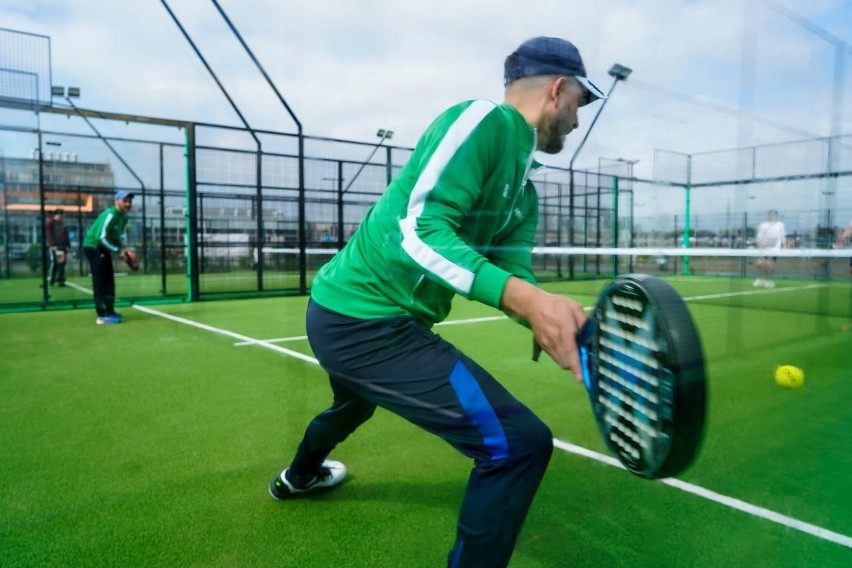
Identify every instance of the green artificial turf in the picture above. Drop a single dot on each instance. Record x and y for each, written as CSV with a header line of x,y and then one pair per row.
x,y
151,443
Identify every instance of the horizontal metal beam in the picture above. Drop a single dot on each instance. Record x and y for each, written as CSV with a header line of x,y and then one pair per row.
x,y
19,104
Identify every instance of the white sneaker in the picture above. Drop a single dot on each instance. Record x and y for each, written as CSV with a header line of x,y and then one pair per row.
x,y
769,283
757,283
331,473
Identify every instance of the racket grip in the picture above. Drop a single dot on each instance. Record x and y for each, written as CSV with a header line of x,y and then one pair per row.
x,y
536,351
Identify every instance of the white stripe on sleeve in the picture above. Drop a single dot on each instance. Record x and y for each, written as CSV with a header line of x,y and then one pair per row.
x,y
103,235
457,276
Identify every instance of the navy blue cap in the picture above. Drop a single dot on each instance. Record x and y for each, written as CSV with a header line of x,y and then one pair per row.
x,y
549,56
122,193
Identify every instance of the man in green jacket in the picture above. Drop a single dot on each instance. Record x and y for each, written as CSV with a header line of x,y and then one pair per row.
x,y
103,239
460,218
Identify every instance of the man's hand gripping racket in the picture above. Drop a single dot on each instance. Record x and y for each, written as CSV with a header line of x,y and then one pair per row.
x,y
643,369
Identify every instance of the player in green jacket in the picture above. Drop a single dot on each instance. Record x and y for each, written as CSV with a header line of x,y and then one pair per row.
x,y
460,218
423,241
103,239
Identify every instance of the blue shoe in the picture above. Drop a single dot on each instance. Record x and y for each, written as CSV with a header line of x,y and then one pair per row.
x,y
107,320
116,315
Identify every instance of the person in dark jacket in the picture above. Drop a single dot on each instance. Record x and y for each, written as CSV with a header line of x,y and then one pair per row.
x,y
59,247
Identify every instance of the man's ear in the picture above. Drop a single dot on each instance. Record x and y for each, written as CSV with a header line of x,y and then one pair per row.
x,y
557,86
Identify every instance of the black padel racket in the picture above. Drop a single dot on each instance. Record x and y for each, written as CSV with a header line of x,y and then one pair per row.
x,y
643,369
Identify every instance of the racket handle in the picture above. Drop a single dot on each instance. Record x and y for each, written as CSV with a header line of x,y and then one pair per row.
x,y
584,364
536,351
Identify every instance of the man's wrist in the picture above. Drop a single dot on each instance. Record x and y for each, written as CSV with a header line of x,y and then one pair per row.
x,y
517,296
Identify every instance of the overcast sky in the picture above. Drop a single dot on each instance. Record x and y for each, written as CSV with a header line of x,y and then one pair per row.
x,y
347,68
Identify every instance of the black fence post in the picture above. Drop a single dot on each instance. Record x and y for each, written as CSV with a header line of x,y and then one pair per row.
x,y
192,224
163,260
261,240
340,235
42,221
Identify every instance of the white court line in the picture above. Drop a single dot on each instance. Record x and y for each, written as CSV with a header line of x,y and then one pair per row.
x,y
78,287
303,337
755,292
244,338
699,491
472,320
731,502
274,340
239,336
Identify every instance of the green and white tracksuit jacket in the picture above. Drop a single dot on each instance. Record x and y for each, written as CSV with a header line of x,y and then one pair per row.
x,y
460,218
105,233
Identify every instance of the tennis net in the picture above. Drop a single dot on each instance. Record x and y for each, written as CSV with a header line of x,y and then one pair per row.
x,y
748,296
802,293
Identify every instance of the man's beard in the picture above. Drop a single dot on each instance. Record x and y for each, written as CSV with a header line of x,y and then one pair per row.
x,y
552,135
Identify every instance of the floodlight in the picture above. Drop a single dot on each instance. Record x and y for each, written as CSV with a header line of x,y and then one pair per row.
x,y
57,91
73,91
620,72
388,134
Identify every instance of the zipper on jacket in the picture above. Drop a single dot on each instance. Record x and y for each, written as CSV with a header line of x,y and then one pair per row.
x,y
523,182
530,160
414,289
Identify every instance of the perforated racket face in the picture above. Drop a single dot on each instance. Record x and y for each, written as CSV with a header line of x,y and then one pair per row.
x,y
644,372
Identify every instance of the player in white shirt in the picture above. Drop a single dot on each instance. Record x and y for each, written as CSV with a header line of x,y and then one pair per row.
x,y
770,238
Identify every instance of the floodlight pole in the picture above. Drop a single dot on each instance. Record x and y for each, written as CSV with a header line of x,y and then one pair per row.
x,y
619,73
303,227
258,168
210,70
385,135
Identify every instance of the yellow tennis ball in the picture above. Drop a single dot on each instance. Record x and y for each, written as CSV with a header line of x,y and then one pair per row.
x,y
789,377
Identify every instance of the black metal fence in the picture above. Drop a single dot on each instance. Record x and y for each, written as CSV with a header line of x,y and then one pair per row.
x,y
223,211
213,214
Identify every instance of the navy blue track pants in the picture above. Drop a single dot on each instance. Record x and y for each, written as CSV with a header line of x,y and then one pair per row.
x,y
401,365
103,280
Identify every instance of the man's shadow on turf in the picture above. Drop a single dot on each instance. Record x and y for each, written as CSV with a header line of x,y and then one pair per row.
x,y
446,494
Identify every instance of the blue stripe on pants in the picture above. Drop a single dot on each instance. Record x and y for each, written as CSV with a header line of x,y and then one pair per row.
x,y
480,412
